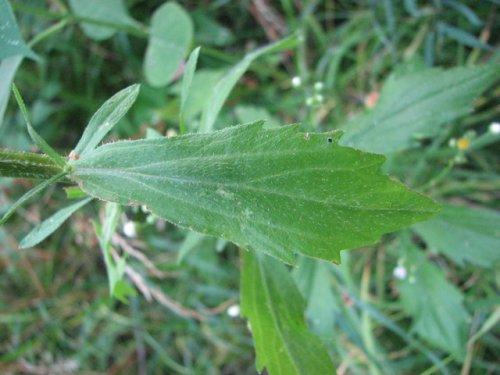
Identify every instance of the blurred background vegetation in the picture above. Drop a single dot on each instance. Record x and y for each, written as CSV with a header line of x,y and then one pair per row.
x,y
56,315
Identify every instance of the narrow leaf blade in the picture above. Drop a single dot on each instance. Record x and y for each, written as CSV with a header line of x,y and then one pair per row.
x,y
275,309
188,77
50,225
273,190
223,88
31,193
105,118
37,139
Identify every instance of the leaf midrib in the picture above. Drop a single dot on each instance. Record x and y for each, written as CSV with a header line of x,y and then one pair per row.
x,y
128,175
274,314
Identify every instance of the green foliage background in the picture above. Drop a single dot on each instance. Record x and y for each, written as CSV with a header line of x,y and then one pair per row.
x,y
440,315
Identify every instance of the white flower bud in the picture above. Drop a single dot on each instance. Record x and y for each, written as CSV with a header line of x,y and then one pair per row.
x,y
129,229
494,128
296,81
400,272
233,311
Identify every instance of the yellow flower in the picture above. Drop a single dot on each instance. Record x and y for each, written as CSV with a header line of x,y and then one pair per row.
x,y
463,144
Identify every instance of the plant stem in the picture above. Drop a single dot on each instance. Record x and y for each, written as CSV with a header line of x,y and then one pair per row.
x,y
19,164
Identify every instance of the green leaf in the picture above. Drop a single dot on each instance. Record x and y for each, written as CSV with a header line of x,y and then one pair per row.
x,y
169,38
50,225
223,88
191,242
436,305
461,36
118,287
467,12
273,305
105,118
187,79
8,68
201,88
313,279
37,139
464,234
11,41
104,17
31,193
272,190
209,31
418,105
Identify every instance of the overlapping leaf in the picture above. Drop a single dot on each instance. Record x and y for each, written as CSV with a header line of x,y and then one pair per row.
x,y
11,41
169,38
416,105
272,190
275,308
464,234
435,304
104,17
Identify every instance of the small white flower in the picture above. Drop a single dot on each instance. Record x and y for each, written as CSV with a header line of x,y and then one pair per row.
x,y
452,142
309,101
494,128
172,133
318,98
150,219
318,86
400,272
129,229
296,81
233,311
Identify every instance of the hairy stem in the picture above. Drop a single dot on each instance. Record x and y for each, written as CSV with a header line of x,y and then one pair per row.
x,y
19,164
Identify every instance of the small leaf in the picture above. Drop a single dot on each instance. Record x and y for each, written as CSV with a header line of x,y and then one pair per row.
x,y
467,12
169,38
273,305
118,287
11,41
105,118
50,225
74,192
108,16
418,104
187,79
223,88
8,68
201,88
31,193
37,139
191,241
273,190
462,36
313,278
464,234
435,304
